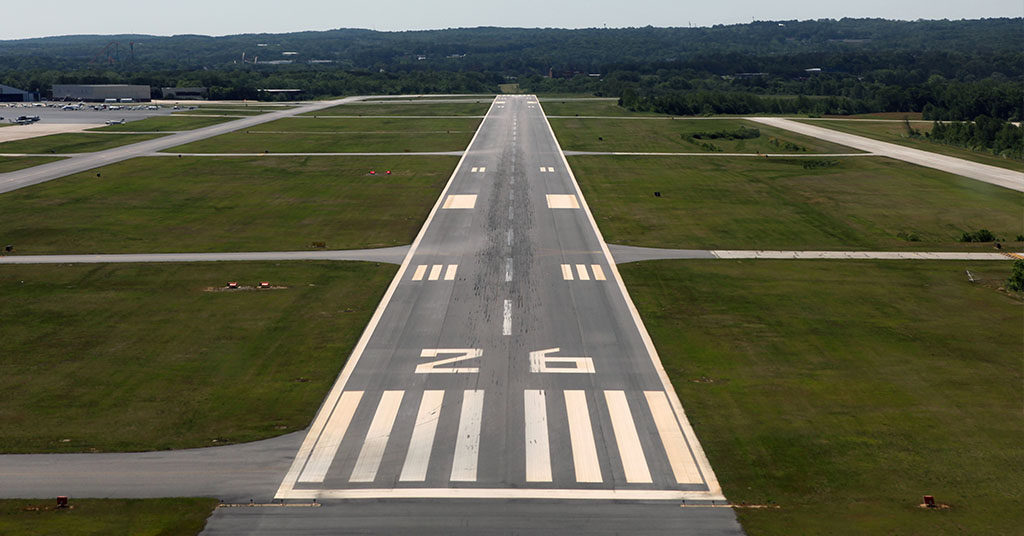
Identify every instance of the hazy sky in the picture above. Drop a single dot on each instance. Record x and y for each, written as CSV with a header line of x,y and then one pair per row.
x,y
62,17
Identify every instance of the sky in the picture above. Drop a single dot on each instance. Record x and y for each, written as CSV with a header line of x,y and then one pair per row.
x,y
64,17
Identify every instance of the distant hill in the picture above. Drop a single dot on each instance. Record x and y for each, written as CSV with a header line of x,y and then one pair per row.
x,y
515,51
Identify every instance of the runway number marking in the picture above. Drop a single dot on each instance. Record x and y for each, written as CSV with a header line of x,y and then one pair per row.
x,y
461,354
540,362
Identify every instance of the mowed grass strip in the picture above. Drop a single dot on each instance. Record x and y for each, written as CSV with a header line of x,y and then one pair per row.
x,y
72,142
674,135
170,204
896,132
843,391
165,123
14,163
859,203
135,357
332,135
592,108
219,112
113,517
477,107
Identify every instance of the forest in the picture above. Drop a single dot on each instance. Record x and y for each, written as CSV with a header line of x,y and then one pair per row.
x,y
945,70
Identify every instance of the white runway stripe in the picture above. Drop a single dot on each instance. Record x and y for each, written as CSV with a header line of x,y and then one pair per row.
x,y
581,436
422,442
634,464
684,468
418,274
327,445
508,269
538,450
449,274
467,444
435,272
377,437
567,272
581,271
506,323
598,272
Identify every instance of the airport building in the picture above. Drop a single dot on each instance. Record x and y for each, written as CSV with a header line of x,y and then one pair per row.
x,y
13,94
101,92
184,93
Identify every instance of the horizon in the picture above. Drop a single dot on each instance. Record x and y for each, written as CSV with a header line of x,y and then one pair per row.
x,y
191,17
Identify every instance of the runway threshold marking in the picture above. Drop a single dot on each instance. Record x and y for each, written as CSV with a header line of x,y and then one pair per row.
x,y
327,445
581,438
377,437
582,273
467,444
417,459
679,458
631,453
538,450
435,272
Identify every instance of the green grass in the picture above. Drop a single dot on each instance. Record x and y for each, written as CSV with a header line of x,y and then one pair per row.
x,y
14,163
668,136
163,123
106,517
843,391
169,204
309,135
76,142
133,357
863,203
219,112
591,108
477,107
896,132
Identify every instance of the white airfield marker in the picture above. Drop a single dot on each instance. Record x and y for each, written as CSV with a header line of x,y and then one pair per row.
x,y
460,201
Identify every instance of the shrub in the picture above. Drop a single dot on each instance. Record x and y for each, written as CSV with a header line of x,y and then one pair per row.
x,y
981,235
1016,280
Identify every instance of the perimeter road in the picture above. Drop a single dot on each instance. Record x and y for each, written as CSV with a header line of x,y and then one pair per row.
x,y
1007,178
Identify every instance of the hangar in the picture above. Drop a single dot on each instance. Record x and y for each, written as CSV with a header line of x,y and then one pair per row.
x,y
101,92
13,94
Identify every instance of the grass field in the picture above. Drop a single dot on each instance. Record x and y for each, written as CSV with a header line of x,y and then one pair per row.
x,y
476,107
219,111
109,517
592,108
896,132
326,135
131,357
14,163
168,204
882,115
76,142
165,123
672,136
863,203
843,391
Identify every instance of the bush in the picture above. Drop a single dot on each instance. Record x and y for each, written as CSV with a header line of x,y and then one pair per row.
x,y
1016,280
787,145
909,237
814,164
981,235
742,133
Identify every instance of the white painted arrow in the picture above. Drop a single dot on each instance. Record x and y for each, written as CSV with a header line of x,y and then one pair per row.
x,y
540,360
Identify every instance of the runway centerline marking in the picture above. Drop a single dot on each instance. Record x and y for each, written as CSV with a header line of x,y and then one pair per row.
x,y
508,269
506,324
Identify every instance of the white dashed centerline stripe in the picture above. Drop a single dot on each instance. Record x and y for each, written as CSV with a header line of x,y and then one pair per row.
x,y
377,437
421,444
449,274
581,437
683,465
508,269
467,444
506,324
631,453
538,451
329,441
